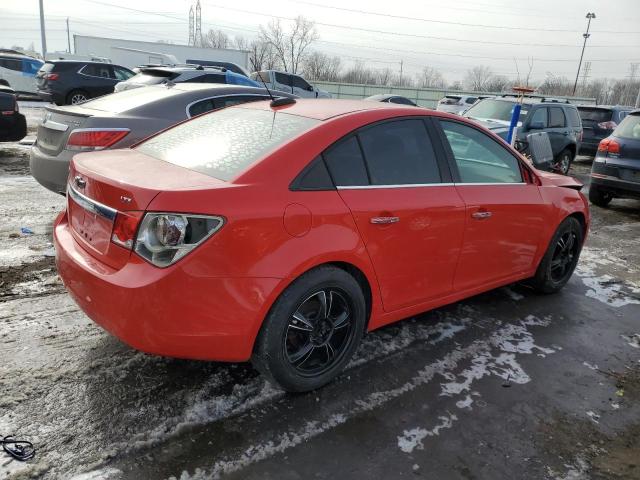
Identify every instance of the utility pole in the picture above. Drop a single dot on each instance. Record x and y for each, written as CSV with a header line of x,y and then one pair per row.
x,y
68,37
192,36
43,37
586,35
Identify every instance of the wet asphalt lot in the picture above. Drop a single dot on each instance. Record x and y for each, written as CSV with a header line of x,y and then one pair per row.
x,y
508,384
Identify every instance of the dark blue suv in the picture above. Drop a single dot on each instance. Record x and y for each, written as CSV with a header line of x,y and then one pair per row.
x,y
597,123
615,172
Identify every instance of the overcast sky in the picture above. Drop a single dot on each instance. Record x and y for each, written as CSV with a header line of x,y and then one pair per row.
x,y
449,35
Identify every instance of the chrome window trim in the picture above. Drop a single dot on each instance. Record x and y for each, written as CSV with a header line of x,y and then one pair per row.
x,y
417,185
219,96
91,205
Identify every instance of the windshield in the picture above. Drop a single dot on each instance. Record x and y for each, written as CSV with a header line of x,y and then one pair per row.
x,y
490,109
629,128
224,143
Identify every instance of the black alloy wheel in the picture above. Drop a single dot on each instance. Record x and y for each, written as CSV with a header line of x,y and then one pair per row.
x,y
318,332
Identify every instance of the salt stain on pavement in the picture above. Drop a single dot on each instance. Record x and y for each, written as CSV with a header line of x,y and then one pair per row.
x,y
412,439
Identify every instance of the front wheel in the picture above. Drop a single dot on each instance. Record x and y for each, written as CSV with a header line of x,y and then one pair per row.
x,y
312,330
561,257
76,97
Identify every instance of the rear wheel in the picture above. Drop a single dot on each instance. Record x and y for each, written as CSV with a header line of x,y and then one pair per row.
x,y
312,330
77,96
599,197
560,259
563,161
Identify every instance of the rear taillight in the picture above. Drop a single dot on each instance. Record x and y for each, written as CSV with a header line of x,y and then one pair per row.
x,y
164,238
51,77
609,145
95,138
125,227
610,125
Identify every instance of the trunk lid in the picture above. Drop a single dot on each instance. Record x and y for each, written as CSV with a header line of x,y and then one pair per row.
x,y
105,183
57,124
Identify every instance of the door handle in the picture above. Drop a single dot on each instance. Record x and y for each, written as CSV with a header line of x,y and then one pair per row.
x,y
384,220
481,215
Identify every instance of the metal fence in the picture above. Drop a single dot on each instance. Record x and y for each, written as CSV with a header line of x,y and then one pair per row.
x,y
425,97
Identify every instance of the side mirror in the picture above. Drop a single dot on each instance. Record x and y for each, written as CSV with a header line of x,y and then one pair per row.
x,y
540,150
536,126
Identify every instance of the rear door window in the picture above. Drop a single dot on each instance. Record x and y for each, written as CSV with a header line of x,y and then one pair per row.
x,y
98,70
122,74
556,118
346,164
300,82
479,158
11,64
225,143
399,153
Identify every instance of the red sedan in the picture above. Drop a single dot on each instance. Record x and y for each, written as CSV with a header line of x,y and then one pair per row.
x,y
282,233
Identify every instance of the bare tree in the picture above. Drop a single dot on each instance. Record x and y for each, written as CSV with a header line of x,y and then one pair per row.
x,y
555,85
290,46
385,76
497,83
216,39
528,75
430,78
320,66
262,56
477,78
240,43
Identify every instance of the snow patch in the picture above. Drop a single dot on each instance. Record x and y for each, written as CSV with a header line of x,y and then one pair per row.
x,y
412,439
593,416
632,340
590,366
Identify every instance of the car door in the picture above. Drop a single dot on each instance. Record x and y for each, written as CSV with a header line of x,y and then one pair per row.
x,y
558,131
505,214
283,82
302,88
397,185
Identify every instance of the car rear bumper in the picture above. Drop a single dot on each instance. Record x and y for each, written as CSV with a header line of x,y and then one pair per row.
x,y
51,171
616,186
52,97
177,311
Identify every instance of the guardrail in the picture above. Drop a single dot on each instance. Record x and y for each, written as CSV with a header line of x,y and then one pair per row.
x,y
425,97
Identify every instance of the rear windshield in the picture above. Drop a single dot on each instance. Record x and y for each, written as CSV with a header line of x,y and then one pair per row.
x,y
223,144
490,109
595,115
129,99
7,101
629,128
47,67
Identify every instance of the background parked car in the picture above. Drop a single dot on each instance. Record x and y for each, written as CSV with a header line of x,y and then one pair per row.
x,y
18,71
290,83
13,125
228,65
598,122
122,119
184,74
615,172
558,118
67,82
390,98
457,103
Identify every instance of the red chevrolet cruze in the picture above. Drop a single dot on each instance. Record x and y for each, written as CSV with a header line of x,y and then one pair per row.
x,y
282,233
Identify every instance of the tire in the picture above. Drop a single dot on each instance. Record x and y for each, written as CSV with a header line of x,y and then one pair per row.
x,y
291,349
77,96
555,269
563,161
599,197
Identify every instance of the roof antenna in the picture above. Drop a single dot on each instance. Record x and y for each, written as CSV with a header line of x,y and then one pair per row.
x,y
275,102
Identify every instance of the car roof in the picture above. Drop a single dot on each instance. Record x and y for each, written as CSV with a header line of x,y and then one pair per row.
x,y
18,56
326,108
185,68
381,96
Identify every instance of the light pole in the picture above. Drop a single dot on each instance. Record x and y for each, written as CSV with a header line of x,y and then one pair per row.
x,y
585,35
42,33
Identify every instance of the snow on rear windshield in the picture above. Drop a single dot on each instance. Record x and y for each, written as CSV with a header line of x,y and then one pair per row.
x,y
222,144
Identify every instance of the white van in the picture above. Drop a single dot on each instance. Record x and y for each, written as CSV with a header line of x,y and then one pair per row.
x,y
19,72
289,83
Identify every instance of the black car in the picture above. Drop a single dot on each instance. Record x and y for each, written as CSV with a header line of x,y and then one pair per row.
x,y
67,82
13,125
557,117
390,98
598,122
615,172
